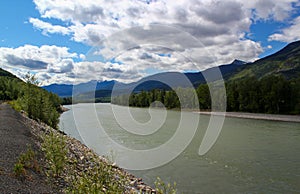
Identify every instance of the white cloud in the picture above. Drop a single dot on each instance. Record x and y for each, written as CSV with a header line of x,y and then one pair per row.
x,y
53,64
210,32
43,59
269,9
107,17
86,71
49,28
34,57
289,34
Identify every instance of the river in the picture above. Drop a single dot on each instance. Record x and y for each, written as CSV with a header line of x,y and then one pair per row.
x,y
249,156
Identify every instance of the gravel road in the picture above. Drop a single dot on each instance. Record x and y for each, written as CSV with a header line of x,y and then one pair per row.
x,y
15,138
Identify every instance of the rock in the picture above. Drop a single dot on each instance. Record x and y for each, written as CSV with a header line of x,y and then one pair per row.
x,y
133,183
140,187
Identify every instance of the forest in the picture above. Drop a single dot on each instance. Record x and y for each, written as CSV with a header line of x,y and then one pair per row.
x,y
271,94
27,96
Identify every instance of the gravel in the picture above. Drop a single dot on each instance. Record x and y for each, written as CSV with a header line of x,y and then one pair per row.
x,y
15,137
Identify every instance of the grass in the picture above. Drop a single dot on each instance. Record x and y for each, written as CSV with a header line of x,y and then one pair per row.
x,y
26,161
15,104
19,170
164,188
99,177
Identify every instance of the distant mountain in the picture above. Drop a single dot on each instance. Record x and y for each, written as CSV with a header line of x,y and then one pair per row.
x,y
166,81
285,62
62,90
66,90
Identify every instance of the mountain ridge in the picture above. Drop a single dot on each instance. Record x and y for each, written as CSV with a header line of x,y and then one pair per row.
x,y
156,81
285,62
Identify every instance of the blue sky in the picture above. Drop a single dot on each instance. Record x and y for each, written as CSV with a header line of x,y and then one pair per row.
x,y
59,35
17,31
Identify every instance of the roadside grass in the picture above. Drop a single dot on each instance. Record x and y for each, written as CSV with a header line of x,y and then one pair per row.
x,y
26,161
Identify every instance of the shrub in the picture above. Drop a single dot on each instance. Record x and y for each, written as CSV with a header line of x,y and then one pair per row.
x,y
101,178
25,161
163,188
19,170
55,149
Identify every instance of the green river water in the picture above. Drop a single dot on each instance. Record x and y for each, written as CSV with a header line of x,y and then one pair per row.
x,y
249,156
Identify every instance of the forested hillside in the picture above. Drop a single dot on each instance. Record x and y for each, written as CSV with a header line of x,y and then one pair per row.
x,y
285,62
36,102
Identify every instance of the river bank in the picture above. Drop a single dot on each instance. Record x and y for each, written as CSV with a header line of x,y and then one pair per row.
x,y
244,115
85,158
259,116
79,160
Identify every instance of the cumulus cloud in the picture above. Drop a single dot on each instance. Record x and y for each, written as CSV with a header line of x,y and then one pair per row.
x,y
289,34
107,17
85,71
53,64
34,57
29,63
136,36
63,66
49,28
44,59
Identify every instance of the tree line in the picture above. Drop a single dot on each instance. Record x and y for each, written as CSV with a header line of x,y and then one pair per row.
x,y
38,103
186,98
271,94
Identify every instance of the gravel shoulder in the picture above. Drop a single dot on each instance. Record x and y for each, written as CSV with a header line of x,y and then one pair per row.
x,y
15,137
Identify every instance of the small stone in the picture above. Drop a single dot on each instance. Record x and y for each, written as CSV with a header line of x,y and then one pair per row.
x,y
140,187
133,183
